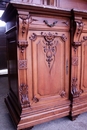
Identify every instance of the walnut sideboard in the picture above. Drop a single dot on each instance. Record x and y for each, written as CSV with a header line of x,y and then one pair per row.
x,y
46,50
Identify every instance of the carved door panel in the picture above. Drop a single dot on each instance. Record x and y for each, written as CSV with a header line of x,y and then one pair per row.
x,y
48,66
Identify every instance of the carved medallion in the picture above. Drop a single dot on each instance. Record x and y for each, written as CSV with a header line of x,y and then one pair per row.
x,y
22,64
24,95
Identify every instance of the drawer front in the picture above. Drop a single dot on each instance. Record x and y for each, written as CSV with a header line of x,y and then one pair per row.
x,y
49,23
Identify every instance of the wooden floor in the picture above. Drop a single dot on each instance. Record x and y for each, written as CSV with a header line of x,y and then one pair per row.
x,y
60,124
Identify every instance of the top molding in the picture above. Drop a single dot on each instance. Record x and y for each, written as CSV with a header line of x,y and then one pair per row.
x,y
14,7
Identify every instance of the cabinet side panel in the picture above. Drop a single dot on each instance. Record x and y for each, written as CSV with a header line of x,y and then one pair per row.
x,y
12,62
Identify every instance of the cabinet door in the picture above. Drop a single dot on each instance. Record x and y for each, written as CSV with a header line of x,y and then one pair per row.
x,y
48,67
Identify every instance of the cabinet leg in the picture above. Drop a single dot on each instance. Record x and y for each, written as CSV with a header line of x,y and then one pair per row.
x,y
72,118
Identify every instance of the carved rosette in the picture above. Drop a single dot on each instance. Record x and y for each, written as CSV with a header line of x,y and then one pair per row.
x,y
22,64
74,91
63,94
24,95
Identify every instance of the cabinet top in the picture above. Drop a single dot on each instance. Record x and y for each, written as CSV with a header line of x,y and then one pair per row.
x,y
13,8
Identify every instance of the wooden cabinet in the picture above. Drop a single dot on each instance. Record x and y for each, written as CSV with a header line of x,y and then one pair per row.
x,y
46,62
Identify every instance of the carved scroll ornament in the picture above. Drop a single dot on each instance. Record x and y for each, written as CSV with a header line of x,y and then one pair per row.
x,y
24,95
78,27
33,37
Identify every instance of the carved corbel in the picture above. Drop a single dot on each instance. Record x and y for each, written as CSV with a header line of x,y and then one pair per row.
x,y
22,44
78,27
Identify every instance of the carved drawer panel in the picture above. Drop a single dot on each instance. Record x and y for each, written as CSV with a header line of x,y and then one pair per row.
x,y
49,23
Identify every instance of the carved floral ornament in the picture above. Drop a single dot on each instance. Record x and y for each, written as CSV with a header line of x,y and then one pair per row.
x,y
49,45
74,91
24,95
